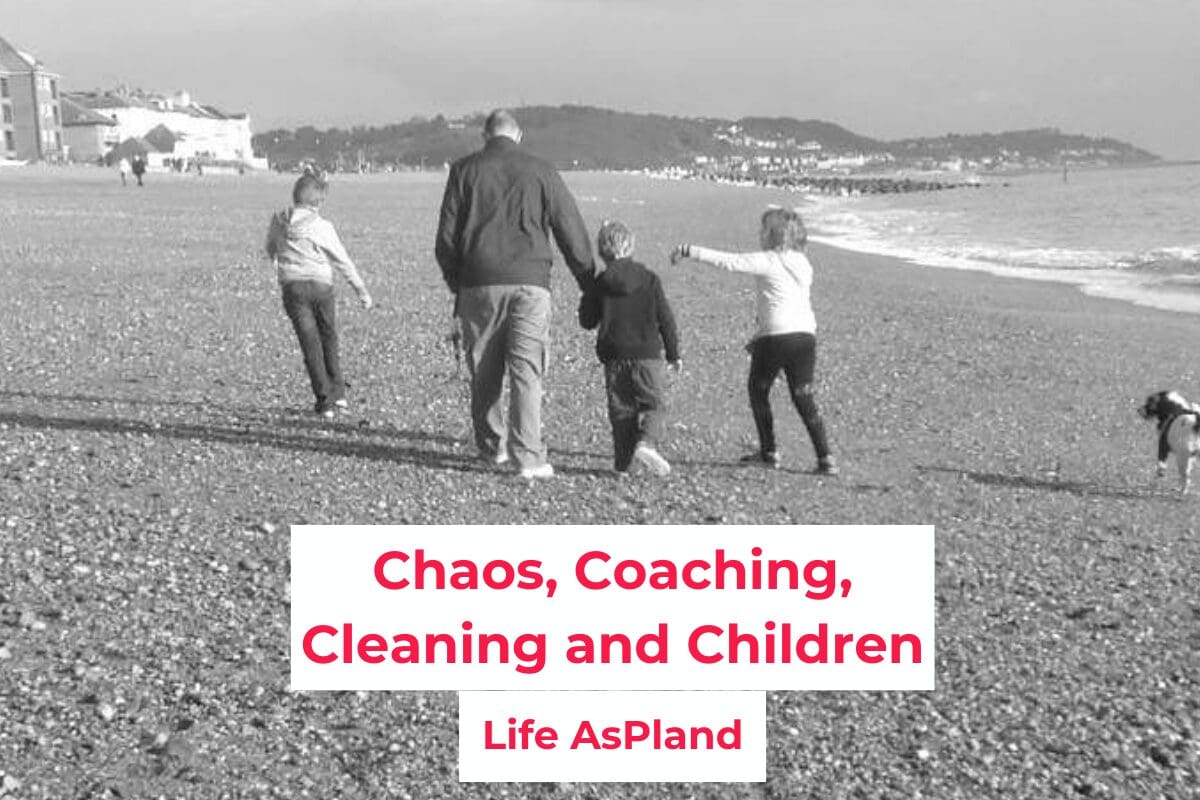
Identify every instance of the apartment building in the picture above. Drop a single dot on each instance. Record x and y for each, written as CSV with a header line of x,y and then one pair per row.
x,y
30,112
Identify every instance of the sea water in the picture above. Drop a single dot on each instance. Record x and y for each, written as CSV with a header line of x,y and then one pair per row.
x,y
1127,234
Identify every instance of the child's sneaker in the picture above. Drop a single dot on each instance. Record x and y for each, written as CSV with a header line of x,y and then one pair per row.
x,y
769,458
827,466
651,459
538,473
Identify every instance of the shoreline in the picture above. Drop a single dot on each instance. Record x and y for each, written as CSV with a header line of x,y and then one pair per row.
x,y
1058,292
1177,292
1101,284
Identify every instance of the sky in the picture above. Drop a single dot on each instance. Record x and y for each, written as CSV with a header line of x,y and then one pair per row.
x,y
887,69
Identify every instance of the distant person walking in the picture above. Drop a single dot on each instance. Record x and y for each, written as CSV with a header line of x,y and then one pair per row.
x,y
305,249
786,335
139,168
500,209
123,170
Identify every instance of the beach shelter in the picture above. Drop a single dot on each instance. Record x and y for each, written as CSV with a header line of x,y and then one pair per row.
x,y
128,149
161,138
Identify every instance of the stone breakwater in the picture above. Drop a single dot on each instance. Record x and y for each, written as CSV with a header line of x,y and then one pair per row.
x,y
840,185
846,186
855,186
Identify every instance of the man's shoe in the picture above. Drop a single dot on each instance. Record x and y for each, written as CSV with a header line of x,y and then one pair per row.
x,y
343,404
827,466
538,473
323,410
767,459
651,459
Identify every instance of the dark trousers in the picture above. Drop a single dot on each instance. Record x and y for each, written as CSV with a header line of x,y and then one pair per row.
x,y
635,405
310,306
796,355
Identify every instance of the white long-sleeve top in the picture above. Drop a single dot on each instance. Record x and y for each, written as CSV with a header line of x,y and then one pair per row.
x,y
784,280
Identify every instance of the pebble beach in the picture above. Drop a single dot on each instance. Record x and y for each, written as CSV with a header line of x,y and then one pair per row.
x,y
156,445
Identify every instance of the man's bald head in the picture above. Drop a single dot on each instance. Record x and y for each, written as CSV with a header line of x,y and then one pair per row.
x,y
501,123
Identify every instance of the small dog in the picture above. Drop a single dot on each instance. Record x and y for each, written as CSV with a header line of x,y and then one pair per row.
x,y
1178,432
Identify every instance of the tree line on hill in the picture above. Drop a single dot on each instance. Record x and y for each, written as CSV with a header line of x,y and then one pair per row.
x,y
582,137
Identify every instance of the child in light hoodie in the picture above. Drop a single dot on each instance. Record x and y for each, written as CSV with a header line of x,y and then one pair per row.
x,y
305,248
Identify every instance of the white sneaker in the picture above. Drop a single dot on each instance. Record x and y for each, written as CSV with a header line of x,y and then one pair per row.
x,y
537,473
651,459
343,404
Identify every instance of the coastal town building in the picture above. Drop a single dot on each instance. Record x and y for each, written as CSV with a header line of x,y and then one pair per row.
x,y
30,114
89,136
170,128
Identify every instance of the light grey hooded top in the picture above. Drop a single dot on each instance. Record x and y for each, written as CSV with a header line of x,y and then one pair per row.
x,y
305,247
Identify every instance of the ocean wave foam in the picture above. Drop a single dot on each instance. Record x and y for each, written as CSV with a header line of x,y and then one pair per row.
x,y
923,236
1168,293
1127,235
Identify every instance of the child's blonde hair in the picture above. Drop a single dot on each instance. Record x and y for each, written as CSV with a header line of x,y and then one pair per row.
x,y
614,241
309,190
782,229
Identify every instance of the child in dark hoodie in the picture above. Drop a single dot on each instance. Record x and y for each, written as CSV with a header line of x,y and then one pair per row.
x,y
305,248
627,303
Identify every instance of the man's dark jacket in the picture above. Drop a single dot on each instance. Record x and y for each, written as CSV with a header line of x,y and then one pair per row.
x,y
627,302
500,208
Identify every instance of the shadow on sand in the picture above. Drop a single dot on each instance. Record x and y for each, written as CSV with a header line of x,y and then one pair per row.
x,y
77,397
1077,488
295,439
245,425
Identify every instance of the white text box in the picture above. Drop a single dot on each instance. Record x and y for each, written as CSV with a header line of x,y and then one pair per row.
x,y
613,607
612,736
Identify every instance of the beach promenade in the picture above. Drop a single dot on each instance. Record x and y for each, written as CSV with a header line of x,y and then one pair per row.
x,y
155,445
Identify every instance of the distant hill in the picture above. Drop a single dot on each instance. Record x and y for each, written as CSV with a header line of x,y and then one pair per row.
x,y
592,138
582,137
1046,144
831,137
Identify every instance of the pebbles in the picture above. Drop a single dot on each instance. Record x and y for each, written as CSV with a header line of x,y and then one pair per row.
x,y
145,525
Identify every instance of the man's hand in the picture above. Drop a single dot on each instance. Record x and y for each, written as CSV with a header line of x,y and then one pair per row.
x,y
680,252
364,297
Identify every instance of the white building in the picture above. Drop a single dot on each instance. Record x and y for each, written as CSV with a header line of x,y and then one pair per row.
x,y
196,131
88,135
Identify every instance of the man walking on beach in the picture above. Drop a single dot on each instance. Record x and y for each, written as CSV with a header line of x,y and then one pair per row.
x,y
501,207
